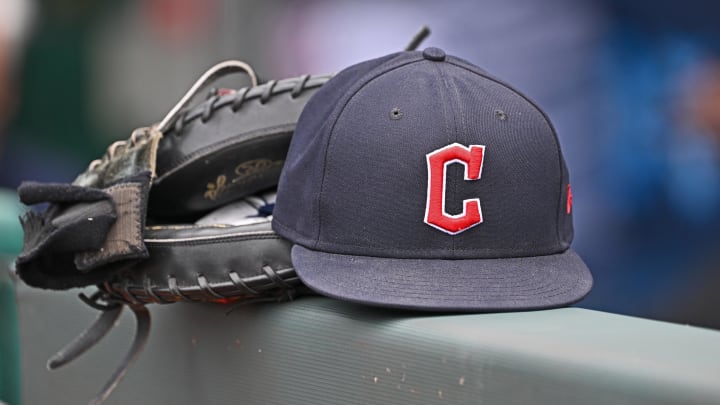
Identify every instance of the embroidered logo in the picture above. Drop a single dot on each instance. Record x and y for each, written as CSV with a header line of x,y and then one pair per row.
x,y
437,162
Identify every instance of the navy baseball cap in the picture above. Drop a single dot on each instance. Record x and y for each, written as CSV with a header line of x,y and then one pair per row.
x,y
419,181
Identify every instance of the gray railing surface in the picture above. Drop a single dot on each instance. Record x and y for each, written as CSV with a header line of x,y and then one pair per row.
x,y
321,351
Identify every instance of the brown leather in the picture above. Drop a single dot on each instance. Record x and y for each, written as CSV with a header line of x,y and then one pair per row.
x,y
123,160
125,238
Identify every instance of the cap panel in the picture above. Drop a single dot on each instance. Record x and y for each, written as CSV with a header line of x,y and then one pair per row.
x,y
296,211
519,187
565,230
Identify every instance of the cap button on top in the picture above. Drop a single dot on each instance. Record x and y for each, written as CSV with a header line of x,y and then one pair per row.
x,y
434,54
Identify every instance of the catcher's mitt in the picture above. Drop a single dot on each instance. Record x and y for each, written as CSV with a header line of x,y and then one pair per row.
x,y
170,215
231,146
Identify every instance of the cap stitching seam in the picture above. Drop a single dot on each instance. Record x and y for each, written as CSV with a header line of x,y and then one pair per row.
x,y
460,127
448,130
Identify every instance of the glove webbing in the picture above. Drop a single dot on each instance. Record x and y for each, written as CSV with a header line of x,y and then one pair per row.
x,y
236,98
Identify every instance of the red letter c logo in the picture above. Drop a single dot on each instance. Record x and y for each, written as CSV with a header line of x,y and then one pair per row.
x,y
437,162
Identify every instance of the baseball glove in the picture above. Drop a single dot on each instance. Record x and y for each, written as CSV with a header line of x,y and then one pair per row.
x,y
180,211
230,146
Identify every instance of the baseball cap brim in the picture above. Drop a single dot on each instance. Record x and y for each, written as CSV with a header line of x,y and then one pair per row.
x,y
478,285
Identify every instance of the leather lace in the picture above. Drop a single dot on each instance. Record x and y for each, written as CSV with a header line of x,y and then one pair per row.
x,y
110,312
110,299
236,99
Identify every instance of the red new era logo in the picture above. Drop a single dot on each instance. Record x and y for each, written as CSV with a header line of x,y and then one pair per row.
x,y
437,162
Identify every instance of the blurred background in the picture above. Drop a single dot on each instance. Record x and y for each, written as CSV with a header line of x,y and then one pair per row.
x,y
633,89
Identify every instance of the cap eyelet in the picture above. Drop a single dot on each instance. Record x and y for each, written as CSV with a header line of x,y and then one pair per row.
x,y
396,114
500,114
